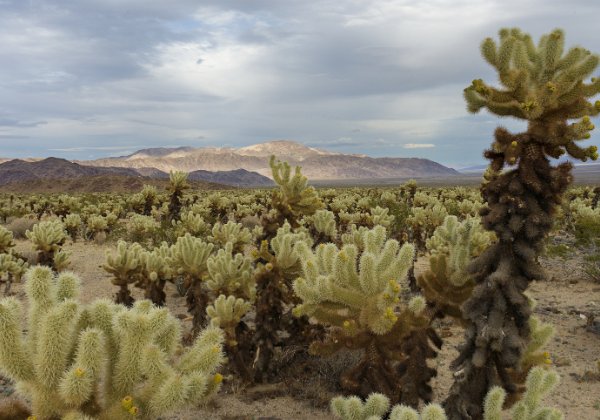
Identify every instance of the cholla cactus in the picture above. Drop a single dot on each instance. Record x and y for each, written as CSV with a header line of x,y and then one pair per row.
x,y
125,267
72,224
101,361
178,184
47,237
381,216
226,312
231,232
61,261
424,221
142,228
96,224
189,258
156,270
6,240
323,226
376,406
292,200
190,222
546,88
149,196
12,270
231,274
279,265
357,294
454,244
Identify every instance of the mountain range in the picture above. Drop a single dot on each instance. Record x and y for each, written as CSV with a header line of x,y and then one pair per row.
x,y
60,175
238,167
317,164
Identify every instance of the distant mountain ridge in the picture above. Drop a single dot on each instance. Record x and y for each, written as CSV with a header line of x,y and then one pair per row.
x,y
317,164
55,175
46,171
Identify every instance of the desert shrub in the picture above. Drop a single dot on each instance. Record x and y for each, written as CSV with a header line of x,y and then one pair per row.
x,y
18,226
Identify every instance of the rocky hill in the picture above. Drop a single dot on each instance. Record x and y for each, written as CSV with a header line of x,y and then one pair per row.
x,y
316,164
59,175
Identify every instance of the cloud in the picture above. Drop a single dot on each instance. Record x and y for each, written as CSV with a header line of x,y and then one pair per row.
x,y
77,76
418,145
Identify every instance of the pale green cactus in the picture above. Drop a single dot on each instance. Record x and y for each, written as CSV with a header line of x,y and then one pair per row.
x,y
101,361
12,270
96,224
61,261
189,257
294,192
353,408
6,240
47,237
231,274
447,283
125,268
231,232
190,222
324,223
539,383
369,293
142,228
284,246
177,185
156,270
226,312
460,242
381,216
73,224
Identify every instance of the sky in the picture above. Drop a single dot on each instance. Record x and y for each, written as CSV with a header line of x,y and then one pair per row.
x,y
84,79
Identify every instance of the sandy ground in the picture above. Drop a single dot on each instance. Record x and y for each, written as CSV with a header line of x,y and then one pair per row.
x,y
566,300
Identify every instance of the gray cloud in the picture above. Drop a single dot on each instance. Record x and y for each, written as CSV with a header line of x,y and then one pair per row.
x,y
88,79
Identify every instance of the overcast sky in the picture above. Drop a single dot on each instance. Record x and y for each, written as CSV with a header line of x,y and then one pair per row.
x,y
91,78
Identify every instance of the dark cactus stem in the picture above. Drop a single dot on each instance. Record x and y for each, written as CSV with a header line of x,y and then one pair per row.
x,y
520,206
414,372
175,205
123,296
197,301
154,291
269,314
596,198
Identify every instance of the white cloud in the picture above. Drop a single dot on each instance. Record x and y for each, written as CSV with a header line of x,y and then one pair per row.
x,y
418,145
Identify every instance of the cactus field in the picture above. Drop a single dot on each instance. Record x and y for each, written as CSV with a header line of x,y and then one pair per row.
x,y
401,302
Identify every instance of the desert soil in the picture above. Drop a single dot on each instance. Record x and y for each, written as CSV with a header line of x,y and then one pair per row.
x,y
567,300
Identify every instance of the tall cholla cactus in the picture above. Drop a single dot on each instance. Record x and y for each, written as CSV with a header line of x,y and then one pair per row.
x,y
149,196
357,294
539,384
48,237
546,88
177,185
454,244
279,264
292,200
233,283
189,256
101,361
124,266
